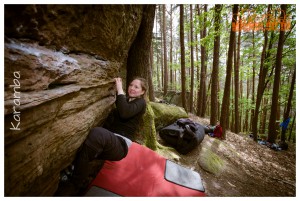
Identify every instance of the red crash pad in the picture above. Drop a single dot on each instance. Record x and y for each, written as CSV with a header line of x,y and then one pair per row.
x,y
141,173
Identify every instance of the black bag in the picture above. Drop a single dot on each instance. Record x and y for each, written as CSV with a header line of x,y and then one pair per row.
x,y
184,135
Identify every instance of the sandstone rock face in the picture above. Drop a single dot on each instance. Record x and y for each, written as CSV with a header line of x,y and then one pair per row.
x,y
103,30
60,61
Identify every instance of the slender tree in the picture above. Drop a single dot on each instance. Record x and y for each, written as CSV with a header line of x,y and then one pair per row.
x,y
236,84
157,54
262,76
289,104
150,73
197,63
264,115
192,60
171,46
165,52
215,70
253,76
202,88
231,107
204,65
293,123
247,97
226,95
182,50
241,97
161,47
272,121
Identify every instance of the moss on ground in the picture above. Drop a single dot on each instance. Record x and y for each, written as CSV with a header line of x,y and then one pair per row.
x,y
211,162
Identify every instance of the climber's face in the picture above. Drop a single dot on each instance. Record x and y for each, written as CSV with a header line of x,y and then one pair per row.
x,y
135,89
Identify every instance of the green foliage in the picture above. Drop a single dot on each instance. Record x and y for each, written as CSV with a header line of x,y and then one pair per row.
x,y
250,51
247,103
211,162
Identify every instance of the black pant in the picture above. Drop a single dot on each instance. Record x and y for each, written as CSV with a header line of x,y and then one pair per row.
x,y
100,144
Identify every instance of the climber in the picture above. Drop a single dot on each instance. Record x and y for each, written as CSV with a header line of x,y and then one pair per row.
x,y
110,142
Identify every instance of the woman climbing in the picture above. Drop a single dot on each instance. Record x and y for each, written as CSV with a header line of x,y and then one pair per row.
x,y
110,141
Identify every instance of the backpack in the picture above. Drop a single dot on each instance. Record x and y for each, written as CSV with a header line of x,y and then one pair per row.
x,y
184,135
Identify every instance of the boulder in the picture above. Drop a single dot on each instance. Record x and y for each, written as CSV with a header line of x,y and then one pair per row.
x,y
60,61
165,114
209,159
106,31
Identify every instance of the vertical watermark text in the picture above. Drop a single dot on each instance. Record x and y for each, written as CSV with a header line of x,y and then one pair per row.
x,y
15,124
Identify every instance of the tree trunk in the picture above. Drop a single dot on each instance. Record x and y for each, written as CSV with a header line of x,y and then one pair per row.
x,y
288,108
182,50
264,116
171,48
215,70
203,67
231,109
241,103
208,98
247,110
150,73
138,61
237,86
161,49
175,73
262,76
291,129
226,97
198,67
272,121
192,61
253,78
165,52
157,57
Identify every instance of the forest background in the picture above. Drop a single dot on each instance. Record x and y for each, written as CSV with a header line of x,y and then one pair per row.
x,y
239,64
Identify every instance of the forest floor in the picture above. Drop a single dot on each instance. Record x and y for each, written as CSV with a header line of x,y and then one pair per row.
x,y
251,170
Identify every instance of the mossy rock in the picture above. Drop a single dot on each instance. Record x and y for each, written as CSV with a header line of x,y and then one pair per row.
x,y
147,136
165,114
211,162
148,129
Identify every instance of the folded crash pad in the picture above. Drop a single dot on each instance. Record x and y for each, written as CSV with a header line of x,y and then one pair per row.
x,y
143,173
